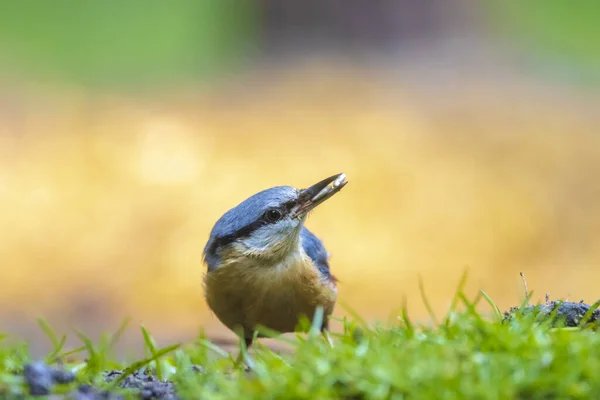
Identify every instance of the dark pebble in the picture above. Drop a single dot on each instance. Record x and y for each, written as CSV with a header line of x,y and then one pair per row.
x,y
148,385
39,378
61,376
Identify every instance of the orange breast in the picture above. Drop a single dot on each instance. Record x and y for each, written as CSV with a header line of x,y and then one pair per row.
x,y
246,294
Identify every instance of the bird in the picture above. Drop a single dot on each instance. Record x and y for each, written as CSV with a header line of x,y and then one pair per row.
x,y
264,268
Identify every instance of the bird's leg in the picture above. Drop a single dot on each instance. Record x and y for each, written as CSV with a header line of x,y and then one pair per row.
x,y
243,358
328,337
325,333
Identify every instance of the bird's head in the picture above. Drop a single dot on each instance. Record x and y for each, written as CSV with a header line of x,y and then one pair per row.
x,y
267,225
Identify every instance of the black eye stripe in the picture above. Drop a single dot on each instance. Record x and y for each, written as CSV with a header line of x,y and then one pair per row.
x,y
239,234
289,205
248,229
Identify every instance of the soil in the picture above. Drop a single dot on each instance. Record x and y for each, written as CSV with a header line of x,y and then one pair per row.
x,y
41,378
569,314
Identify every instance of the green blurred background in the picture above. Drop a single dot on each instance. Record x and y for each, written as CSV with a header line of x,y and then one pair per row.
x,y
468,131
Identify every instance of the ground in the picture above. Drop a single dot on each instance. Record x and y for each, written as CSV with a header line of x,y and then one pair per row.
x,y
529,352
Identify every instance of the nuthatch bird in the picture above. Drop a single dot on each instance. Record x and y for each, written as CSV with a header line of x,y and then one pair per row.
x,y
264,268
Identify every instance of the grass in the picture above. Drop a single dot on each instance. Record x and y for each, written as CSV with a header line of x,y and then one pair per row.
x,y
467,355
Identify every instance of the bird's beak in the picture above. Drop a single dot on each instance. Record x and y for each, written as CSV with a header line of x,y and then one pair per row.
x,y
318,193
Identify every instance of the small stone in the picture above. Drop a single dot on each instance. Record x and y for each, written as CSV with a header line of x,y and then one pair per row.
x,y
61,376
39,378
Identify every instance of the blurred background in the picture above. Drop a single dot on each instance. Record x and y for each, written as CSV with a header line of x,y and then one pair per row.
x,y
468,131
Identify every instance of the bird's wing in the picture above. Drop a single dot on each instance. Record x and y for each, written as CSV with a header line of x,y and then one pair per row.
x,y
316,251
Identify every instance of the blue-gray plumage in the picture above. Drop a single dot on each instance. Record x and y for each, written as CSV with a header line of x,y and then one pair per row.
x,y
242,220
264,267
316,251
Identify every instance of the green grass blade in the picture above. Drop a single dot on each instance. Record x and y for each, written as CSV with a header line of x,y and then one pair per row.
x,y
272,334
410,329
151,347
459,290
471,308
71,352
212,347
88,344
426,301
586,317
57,344
142,363
355,315
95,360
489,300
56,351
48,331
114,339
525,302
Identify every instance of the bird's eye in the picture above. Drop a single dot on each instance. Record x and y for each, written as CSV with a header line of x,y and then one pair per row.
x,y
273,215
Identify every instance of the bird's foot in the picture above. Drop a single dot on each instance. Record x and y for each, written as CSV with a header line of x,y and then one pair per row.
x,y
328,338
244,360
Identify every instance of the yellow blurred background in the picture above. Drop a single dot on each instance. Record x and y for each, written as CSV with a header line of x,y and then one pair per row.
x,y
466,147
